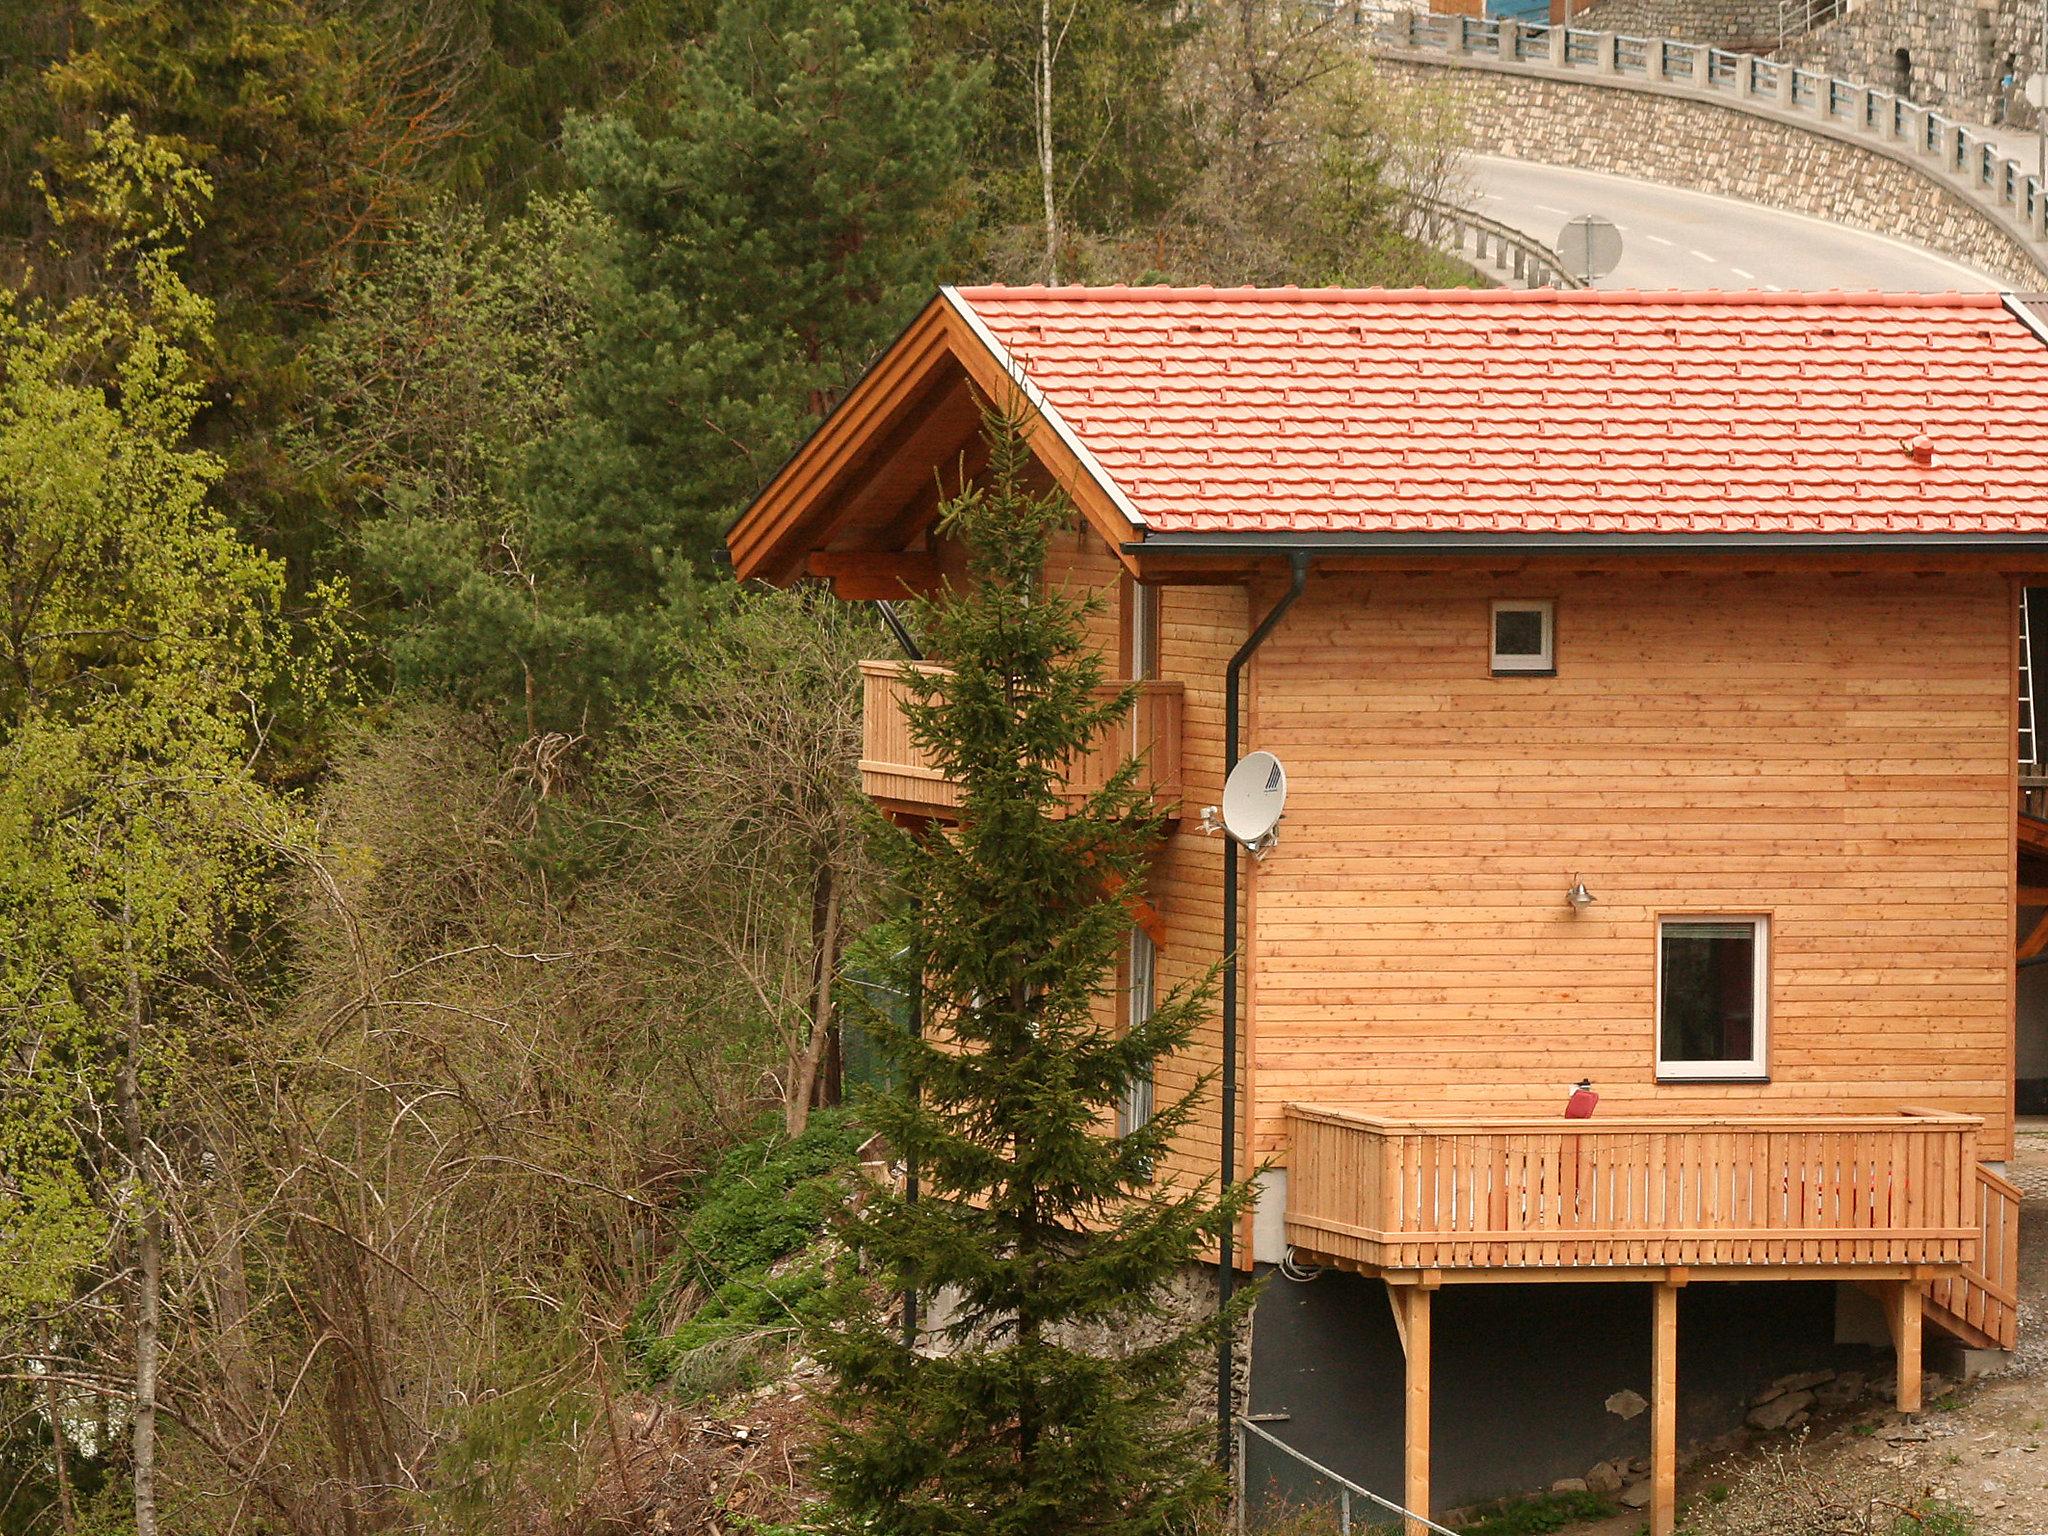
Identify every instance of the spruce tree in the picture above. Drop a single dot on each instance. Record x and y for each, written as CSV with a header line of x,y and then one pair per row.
x,y
1049,1397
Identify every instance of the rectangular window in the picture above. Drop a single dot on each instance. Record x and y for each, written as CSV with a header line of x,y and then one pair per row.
x,y
1136,1107
1711,989
1142,639
1523,636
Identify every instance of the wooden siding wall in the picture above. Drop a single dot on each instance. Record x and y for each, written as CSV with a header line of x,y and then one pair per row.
x,y
1199,628
1835,751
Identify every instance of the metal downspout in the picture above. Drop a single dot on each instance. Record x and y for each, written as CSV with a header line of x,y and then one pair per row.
x,y
1298,564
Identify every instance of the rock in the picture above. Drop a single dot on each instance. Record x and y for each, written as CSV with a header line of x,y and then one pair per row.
x,y
1569,1485
1765,1396
1636,1497
1606,1478
1845,1389
1801,1381
1627,1404
1932,1385
1640,1467
1781,1410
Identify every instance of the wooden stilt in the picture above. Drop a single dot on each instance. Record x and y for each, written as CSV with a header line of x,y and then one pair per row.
x,y
1416,1301
1664,1412
1902,1316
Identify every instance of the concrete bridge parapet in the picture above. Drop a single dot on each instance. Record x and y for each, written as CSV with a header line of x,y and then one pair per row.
x,y
1691,115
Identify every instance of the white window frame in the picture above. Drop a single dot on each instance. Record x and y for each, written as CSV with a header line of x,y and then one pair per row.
x,y
1757,1068
1541,664
1137,1105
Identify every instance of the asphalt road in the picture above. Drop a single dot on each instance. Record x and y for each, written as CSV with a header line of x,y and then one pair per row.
x,y
1694,240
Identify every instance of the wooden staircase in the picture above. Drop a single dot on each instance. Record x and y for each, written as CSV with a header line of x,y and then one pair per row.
x,y
1980,1306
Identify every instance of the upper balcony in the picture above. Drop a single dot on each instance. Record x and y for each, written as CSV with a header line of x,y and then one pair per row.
x,y
898,776
1731,1194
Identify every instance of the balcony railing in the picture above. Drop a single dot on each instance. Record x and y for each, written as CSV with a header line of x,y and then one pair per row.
x,y
898,775
1620,1192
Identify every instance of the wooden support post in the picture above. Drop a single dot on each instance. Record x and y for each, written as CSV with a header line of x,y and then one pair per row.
x,y
1664,1411
1902,1316
1416,1300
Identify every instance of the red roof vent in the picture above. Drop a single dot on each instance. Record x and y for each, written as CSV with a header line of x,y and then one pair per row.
x,y
1921,450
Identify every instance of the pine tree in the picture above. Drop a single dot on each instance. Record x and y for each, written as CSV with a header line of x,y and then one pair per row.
x,y
1044,1231
803,199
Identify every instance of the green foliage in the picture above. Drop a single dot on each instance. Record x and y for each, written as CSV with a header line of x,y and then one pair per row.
x,y
1122,153
1039,1227
442,367
143,641
1937,1518
769,1201
799,203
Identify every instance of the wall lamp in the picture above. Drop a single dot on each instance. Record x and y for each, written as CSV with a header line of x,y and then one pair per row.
x,y
1578,897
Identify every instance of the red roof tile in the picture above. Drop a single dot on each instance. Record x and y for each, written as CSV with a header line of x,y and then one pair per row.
x,y
1284,410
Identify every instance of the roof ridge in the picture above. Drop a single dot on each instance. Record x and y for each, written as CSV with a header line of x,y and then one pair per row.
x,y
1081,293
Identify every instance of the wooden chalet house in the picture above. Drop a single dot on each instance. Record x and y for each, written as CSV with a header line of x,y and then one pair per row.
x,y
1703,606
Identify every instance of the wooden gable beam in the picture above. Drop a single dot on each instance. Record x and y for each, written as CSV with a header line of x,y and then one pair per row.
x,y
2033,834
2035,941
860,575
789,509
876,464
1047,443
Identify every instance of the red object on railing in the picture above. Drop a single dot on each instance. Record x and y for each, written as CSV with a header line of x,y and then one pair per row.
x,y
1580,1105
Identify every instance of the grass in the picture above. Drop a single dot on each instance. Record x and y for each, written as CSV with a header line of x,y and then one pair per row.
x,y
1536,1515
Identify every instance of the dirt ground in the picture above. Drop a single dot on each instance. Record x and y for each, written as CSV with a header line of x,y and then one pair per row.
x,y
1981,1444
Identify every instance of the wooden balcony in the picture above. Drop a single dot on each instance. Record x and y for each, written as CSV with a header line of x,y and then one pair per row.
x,y
898,776
1858,1195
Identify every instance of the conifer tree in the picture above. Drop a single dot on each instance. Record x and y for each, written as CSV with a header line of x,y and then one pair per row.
x,y
803,198
1045,1232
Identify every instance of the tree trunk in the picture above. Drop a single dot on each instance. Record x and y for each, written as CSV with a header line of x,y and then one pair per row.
x,y
1044,104
60,1459
803,1076
149,1260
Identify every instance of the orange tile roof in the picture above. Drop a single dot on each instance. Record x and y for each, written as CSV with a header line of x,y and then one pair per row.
x,y
1260,411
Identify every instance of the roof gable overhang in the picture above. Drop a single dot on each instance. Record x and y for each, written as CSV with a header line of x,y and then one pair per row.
x,y
855,502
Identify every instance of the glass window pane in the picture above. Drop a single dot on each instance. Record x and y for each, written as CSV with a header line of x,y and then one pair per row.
x,y
1518,632
1709,992
1136,1108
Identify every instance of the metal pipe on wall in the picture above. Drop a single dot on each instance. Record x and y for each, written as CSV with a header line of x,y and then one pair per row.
x,y
1298,564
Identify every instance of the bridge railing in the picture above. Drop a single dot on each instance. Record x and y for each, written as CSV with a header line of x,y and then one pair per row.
x,y
1848,109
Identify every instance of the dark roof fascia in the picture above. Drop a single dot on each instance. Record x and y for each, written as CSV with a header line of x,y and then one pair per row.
x,y
1359,542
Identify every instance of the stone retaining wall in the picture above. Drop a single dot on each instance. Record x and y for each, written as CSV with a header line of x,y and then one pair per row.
x,y
1662,136
1956,57
1749,26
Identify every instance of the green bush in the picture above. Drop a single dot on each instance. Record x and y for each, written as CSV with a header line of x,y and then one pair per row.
x,y
766,1203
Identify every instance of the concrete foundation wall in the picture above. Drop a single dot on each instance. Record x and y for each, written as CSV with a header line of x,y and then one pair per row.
x,y
1522,1376
1665,137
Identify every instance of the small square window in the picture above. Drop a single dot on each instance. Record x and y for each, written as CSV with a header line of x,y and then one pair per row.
x,y
1523,637
1711,985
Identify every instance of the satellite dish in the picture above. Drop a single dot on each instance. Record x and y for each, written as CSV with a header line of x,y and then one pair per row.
x,y
1253,798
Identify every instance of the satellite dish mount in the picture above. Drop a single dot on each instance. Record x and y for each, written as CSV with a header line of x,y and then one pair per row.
x,y
1253,798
